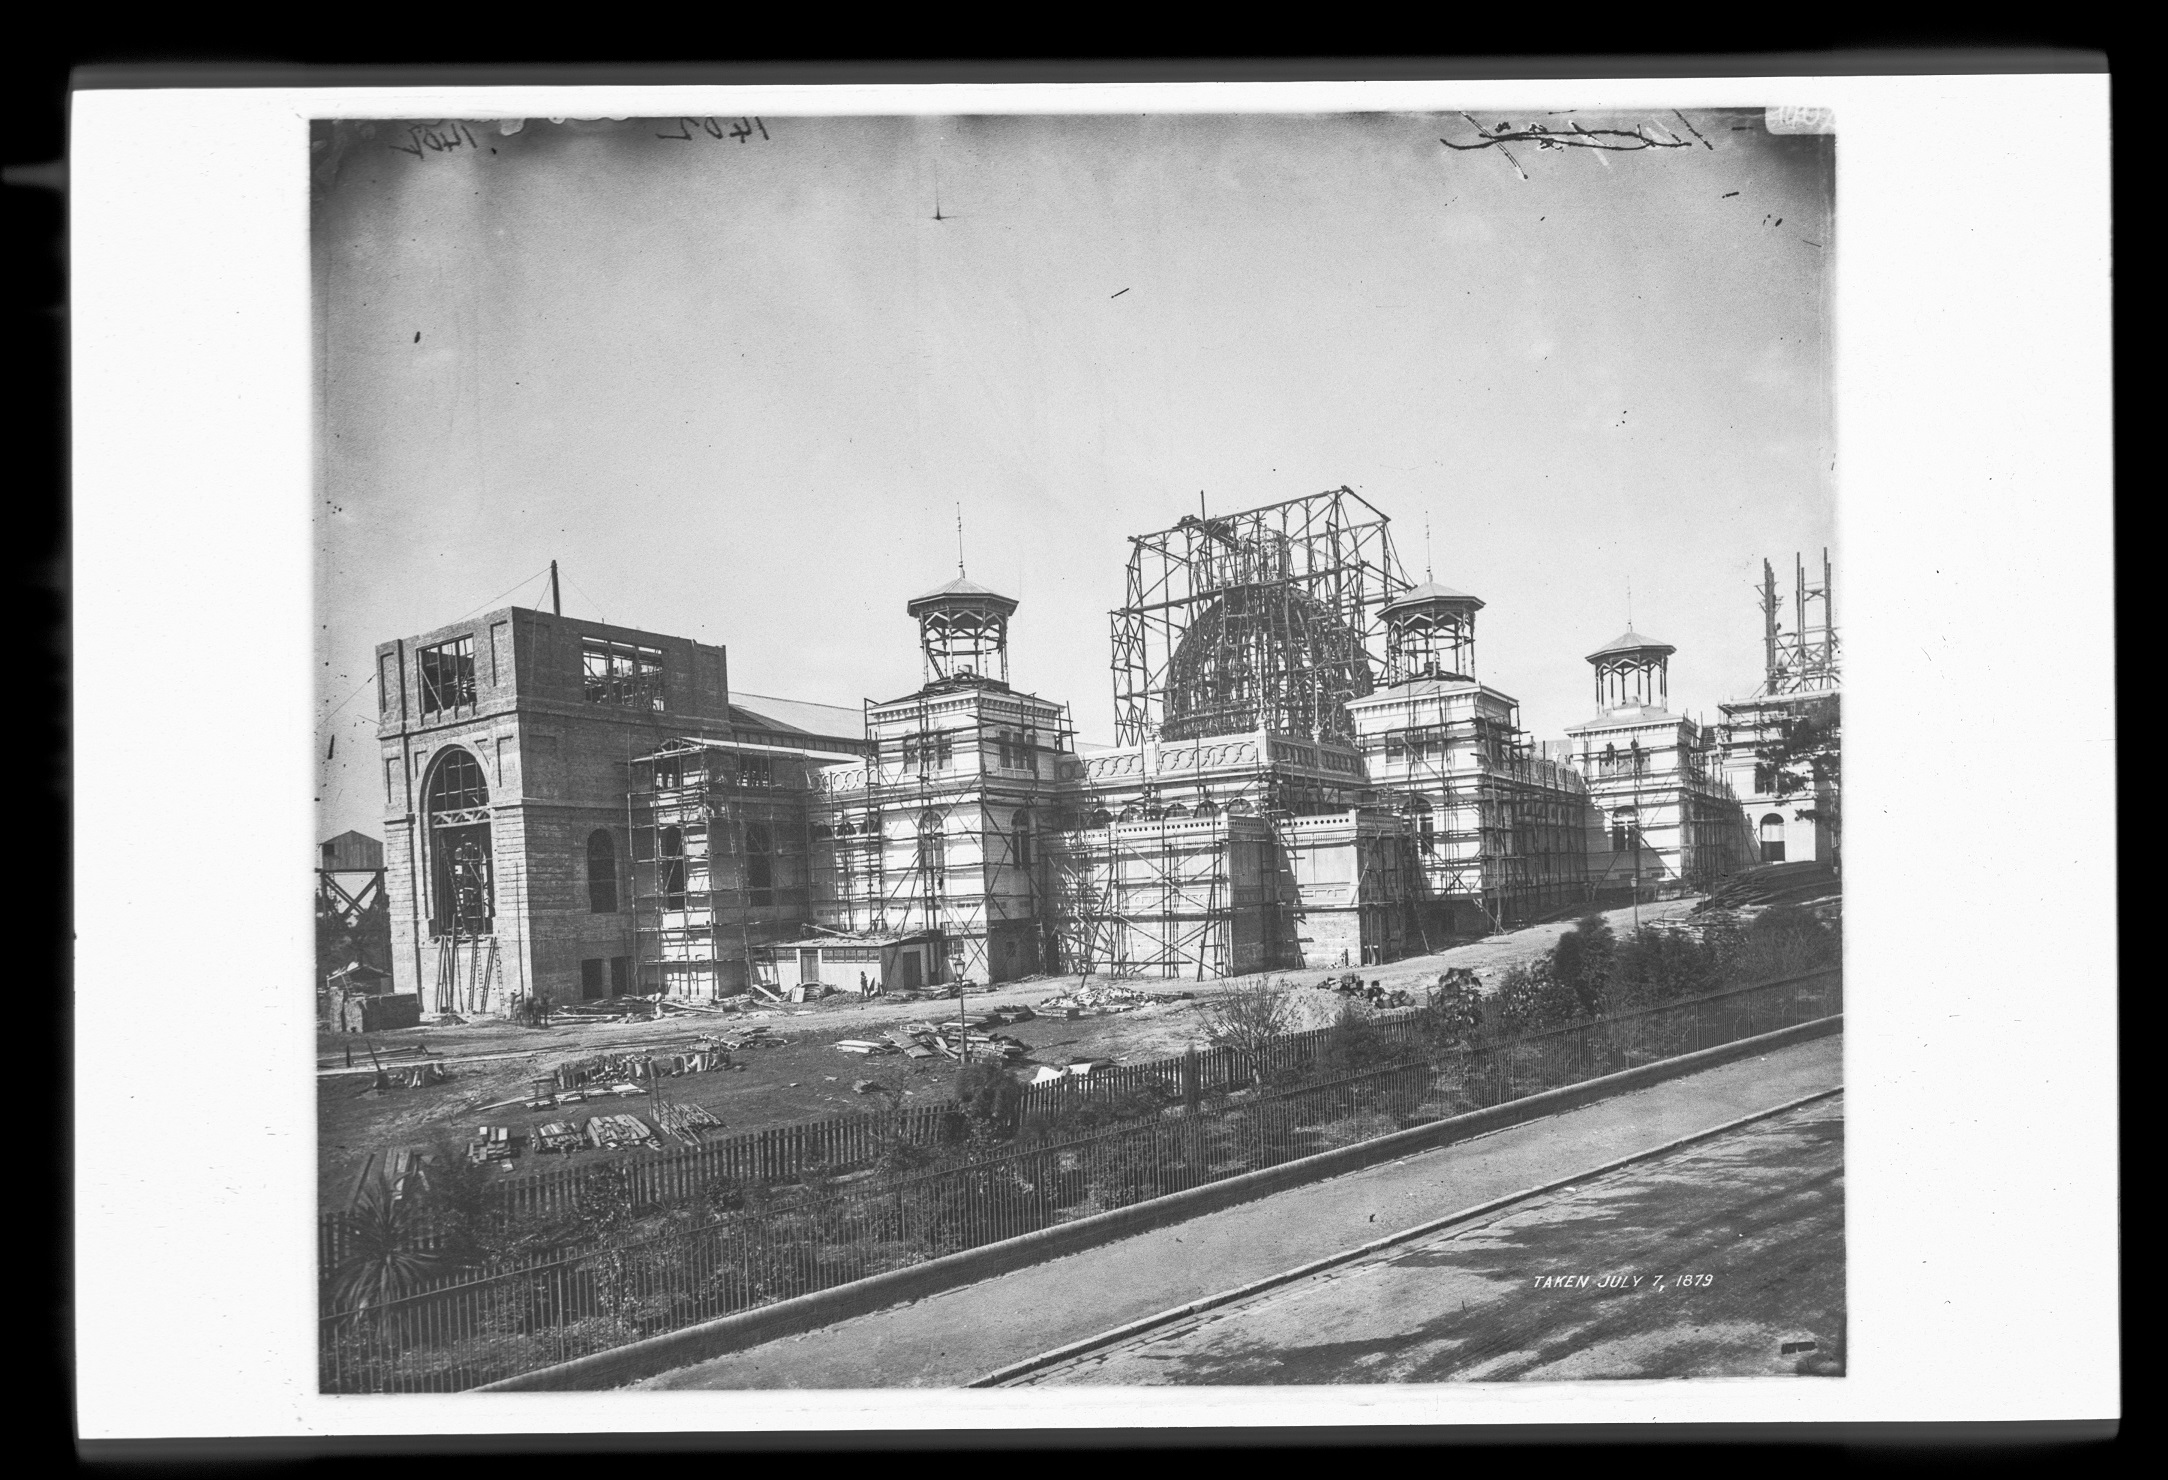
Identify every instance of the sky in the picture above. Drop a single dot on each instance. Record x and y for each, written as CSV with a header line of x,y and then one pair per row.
x,y
740,387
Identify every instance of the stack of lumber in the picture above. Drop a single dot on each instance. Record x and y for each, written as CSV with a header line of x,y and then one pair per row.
x,y
685,1122
558,1135
491,1143
615,1132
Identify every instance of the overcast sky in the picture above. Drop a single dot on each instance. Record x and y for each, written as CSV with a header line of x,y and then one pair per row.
x,y
738,387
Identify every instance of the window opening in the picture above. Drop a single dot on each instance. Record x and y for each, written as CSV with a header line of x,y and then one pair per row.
x,y
601,873
621,673
447,672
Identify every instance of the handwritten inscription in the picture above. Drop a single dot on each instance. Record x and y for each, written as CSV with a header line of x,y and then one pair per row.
x,y
741,129
1622,1282
439,137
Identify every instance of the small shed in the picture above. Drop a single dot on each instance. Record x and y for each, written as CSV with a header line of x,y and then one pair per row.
x,y
900,963
360,979
350,853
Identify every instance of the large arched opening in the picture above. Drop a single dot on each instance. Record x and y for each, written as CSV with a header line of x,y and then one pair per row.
x,y
462,893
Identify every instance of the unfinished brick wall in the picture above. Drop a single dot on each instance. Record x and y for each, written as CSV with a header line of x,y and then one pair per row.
x,y
555,766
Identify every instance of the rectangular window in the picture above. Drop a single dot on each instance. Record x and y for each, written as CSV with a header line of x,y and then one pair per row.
x,y
500,652
591,979
447,672
621,673
1008,761
756,770
387,681
944,750
621,975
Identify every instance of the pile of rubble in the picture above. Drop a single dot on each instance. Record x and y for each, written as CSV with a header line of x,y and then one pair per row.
x,y
1107,996
1372,993
955,1040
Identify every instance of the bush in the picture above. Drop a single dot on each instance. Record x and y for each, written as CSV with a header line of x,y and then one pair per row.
x,y
990,1098
1358,1042
1581,962
1530,998
1654,965
1788,940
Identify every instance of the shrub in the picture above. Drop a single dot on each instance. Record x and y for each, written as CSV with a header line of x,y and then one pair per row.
x,y
1788,940
384,1258
1581,962
1358,1042
1530,998
989,1097
1655,965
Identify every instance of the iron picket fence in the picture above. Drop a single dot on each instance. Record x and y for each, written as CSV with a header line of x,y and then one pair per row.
x,y
783,1241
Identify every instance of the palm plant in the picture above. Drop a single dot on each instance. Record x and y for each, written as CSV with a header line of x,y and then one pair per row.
x,y
384,1259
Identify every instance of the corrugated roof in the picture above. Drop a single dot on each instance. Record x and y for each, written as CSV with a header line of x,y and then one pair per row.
x,y
797,715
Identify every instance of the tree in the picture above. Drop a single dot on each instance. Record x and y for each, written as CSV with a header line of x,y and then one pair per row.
x,y
1803,753
1248,1019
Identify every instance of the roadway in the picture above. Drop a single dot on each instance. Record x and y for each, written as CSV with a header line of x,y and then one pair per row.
x,y
1724,1259
957,1337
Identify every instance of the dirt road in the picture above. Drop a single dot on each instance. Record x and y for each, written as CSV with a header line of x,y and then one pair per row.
x,y
957,1337
1723,1260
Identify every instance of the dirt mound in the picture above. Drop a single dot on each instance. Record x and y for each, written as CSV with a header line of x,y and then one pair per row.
x,y
1312,1007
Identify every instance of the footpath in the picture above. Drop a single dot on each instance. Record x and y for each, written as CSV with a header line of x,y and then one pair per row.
x,y
956,1337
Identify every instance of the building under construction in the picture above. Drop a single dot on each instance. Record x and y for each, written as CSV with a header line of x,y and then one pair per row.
x,y
1791,802
1311,772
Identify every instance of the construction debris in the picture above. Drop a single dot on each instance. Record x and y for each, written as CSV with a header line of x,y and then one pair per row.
x,y
616,1132
1373,993
491,1143
685,1122
558,1135
1106,996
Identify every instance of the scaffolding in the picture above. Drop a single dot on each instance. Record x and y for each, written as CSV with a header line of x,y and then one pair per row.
x,y
1803,660
721,863
1260,620
940,831
1506,834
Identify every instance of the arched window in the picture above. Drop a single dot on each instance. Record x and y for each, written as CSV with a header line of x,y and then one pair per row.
x,y
1772,838
601,873
670,861
1206,809
462,893
1101,817
1177,813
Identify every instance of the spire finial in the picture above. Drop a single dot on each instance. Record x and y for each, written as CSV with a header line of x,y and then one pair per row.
x,y
1426,549
959,541
1629,606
